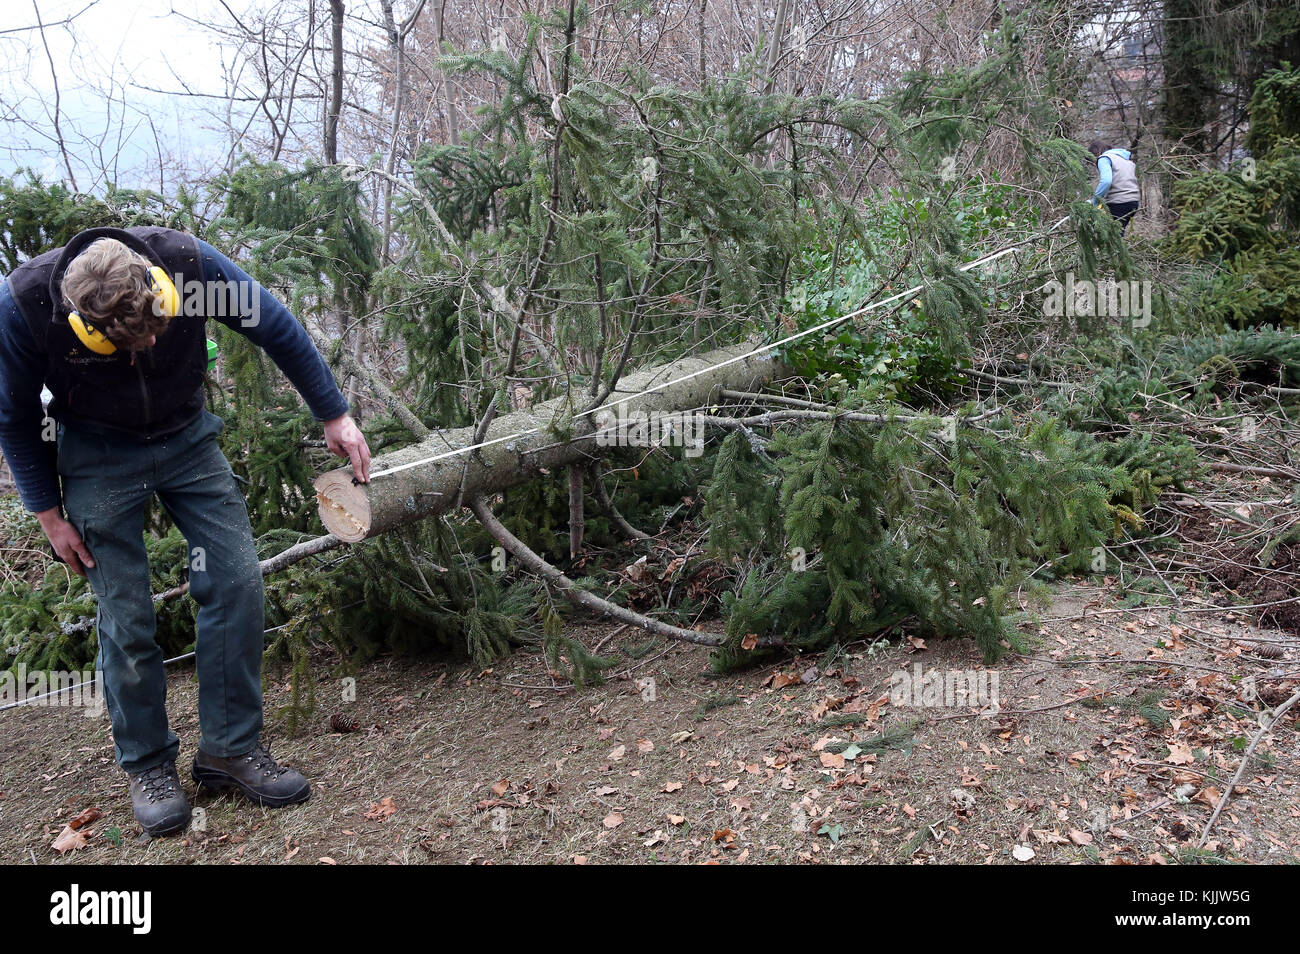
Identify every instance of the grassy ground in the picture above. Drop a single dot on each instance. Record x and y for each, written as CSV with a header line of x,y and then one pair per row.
x,y
1115,739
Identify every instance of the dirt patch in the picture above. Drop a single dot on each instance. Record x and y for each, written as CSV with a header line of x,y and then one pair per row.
x,y
7,485
1236,556
1111,744
1272,586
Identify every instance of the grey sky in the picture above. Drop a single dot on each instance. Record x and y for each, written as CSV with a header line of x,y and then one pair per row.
x,y
106,61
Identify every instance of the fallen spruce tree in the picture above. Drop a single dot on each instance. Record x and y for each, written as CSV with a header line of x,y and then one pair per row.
x,y
442,472
886,486
450,468
842,521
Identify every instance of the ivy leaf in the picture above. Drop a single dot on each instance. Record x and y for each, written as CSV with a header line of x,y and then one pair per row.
x,y
833,832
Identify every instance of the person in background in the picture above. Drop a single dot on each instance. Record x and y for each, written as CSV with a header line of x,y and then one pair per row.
x,y
1117,184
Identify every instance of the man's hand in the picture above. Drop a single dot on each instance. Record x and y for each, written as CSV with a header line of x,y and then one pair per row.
x,y
345,439
66,541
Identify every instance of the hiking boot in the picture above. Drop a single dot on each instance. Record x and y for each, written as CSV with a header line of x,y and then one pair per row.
x,y
256,774
158,802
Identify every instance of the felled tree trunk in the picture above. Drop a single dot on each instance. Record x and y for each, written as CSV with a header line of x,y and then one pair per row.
x,y
441,476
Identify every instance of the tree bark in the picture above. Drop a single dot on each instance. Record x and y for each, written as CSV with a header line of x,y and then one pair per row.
x,y
449,101
774,50
577,518
336,81
437,472
703,71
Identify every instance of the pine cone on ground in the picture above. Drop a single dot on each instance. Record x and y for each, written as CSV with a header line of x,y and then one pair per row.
x,y
341,722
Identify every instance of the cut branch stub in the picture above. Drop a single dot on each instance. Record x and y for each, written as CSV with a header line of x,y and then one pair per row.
x,y
439,477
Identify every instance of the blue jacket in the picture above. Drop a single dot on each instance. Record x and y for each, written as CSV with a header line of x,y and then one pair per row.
x,y
26,363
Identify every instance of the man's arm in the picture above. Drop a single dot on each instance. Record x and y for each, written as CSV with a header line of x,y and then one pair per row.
x,y
275,330
22,429
1103,179
22,372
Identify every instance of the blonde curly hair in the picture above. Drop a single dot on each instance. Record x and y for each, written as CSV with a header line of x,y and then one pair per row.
x,y
109,285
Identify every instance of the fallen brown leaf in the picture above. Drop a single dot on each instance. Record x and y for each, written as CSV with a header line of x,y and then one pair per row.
x,y
70,839
84,818
382,809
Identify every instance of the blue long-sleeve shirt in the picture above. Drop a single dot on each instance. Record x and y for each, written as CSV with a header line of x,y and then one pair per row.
x,y
22,370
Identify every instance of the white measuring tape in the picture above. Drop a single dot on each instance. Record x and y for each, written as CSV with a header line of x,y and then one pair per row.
x,y
993,256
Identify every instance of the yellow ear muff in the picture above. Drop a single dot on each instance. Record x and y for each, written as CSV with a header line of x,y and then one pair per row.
x,y
167,302
91,337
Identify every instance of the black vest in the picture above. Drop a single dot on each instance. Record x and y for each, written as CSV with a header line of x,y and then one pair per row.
x,y
163,390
